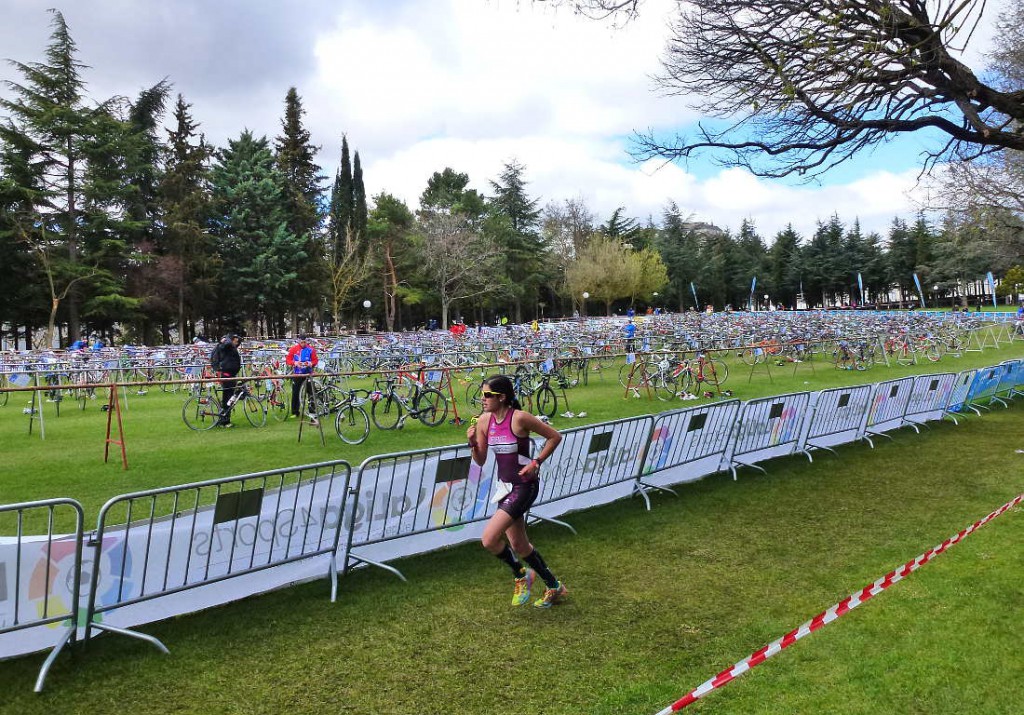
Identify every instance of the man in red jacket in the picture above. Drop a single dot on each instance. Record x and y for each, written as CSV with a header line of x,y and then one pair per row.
x,y
301,359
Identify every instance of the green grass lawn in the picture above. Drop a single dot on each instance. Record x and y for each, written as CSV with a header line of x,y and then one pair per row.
x,y
660,602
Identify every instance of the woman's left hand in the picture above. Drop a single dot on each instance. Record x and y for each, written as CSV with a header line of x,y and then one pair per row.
x,y
531,470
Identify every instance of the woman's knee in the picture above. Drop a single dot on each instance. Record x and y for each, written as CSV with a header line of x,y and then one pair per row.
x,y
492,542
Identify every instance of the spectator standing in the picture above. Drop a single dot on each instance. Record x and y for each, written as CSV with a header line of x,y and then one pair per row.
x,y
301,358
226,363
629,331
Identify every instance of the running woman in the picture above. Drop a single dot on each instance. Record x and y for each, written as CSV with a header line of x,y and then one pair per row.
x,y
505,427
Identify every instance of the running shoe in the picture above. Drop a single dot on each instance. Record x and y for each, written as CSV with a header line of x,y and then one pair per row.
x,y
521,594
552,596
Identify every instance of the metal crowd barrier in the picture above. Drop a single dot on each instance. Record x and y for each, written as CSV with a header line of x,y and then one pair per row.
x,y
958,403
766,428
40,574
592,458
838,417
889,400
160,542
1007,381
929,396
405,498
687,444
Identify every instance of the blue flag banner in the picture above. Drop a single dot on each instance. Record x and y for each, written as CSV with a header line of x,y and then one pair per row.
x,y
860,284
694,291
920,293
753,287
992,284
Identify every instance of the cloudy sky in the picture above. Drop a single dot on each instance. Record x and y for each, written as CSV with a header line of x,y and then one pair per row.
x,y
471,84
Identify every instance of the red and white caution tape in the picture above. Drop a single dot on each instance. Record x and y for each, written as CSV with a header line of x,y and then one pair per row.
x,y
826,617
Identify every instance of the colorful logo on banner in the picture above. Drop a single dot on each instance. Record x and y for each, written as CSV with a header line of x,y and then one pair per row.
x,y
51,583
451,499
782,429
659,449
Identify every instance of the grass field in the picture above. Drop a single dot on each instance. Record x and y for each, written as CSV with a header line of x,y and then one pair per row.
x,y
661,600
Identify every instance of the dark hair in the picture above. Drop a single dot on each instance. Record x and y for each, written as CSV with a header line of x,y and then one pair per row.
x,y
501,383
303,336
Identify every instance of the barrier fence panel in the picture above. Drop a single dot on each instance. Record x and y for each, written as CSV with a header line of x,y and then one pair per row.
x,y
983,388
1018,382
411,502
928,398
768,427
958,404
689,443
889,401
40,578
1007,381
154,549
593,465
838,416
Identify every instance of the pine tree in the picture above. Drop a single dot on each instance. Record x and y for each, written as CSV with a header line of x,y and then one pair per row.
x,y
342,201
48,114
261,257
303,188
359,210
679,247
186,249
513,223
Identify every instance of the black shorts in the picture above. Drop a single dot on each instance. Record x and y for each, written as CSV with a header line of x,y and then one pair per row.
x,y
518,501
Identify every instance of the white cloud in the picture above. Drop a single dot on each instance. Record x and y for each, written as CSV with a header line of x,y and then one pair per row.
x,y
420,86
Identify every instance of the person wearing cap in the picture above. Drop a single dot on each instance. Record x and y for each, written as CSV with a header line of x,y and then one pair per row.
x,y
226,363
301,359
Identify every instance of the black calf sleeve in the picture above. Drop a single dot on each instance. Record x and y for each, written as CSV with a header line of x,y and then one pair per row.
x,y
537,564
509,556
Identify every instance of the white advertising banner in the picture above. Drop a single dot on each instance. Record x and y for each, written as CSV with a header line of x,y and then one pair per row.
x,y
837,417
769,427
690,443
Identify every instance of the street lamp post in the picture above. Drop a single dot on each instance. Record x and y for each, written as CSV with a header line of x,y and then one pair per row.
x,y
366,318
585,296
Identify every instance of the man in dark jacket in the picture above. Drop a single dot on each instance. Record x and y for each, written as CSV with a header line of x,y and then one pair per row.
x,y
226,362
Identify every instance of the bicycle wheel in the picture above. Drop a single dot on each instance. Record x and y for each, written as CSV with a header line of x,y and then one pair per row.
x,y
277,406
352,424
752,356
254,410
473,394
200,412
386,412
905,355
431,407
626,374
721,369
664,386
546,401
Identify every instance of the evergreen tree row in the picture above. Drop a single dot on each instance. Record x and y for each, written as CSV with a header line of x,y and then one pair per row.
x,y
110,222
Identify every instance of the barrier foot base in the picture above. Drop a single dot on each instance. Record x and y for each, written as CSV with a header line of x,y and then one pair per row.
x,y
877,434
45,670
133,634
736,465
535,518
1001,401
807,452
378,564
642,488
951,416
